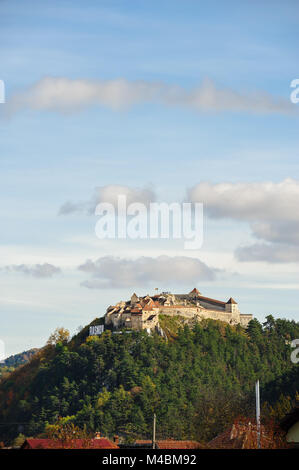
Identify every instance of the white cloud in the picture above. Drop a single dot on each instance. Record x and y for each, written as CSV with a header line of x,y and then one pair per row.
x,y
36,270
270,208
270,253
109,194
249,201
277,231
65,95
110,271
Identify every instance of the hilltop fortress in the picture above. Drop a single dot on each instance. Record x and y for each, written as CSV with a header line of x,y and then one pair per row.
x,y
141,313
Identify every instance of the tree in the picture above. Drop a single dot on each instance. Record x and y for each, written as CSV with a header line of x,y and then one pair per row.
x,y
60,335
64,433
19,440
269,325
255,329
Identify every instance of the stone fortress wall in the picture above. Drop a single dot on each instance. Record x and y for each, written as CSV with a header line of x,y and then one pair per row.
x,y
143,312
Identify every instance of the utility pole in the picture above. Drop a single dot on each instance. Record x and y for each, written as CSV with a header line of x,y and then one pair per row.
x,y
154,431
258,413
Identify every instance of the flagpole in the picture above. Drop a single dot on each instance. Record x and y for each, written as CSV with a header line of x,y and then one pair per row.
x,y
258,413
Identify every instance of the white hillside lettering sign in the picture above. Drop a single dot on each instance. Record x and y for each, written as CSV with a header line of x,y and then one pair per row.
x,y
96,330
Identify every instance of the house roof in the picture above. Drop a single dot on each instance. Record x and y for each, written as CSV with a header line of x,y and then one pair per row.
x,y
148,307
99,443
231,301
171,444
214,301
224,441
195,291
240,436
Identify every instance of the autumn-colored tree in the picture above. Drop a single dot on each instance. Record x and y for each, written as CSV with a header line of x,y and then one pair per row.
x,y
60,335
19,440
65,434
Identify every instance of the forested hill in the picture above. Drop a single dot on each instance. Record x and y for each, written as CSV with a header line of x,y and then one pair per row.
x,y
9,364
18,359
197,381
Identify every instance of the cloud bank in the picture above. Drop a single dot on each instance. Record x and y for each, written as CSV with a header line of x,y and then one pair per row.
x,y
109,272
270,208
249,201
40,271
65,95
277,253
108,194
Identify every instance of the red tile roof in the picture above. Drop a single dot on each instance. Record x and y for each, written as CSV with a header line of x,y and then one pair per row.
x,y
214,301
195,291
172,444
101,443
148,307
240,436
224,441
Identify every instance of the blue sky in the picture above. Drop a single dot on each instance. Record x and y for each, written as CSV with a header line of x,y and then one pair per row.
x,y
55,153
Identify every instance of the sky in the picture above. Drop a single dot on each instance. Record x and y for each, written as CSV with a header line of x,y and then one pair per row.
x,y
164,101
